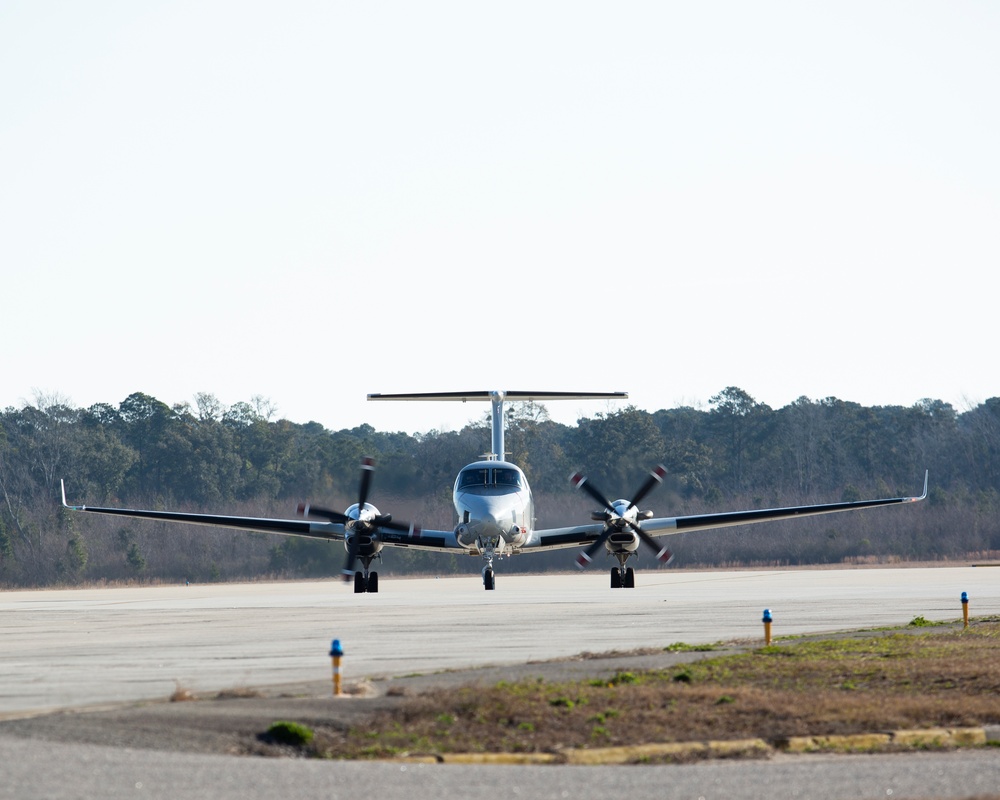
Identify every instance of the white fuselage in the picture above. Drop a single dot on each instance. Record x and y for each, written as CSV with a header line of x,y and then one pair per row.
x,y
494,507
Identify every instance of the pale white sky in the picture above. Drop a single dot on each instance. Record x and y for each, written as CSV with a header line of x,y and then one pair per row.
x,y
311,201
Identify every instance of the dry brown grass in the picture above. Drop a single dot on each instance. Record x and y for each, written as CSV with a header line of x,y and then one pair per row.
x,y
880,682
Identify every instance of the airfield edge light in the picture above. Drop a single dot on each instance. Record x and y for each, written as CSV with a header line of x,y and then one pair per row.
x,y
336,653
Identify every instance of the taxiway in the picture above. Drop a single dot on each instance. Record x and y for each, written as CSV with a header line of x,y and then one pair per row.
x,y
79,648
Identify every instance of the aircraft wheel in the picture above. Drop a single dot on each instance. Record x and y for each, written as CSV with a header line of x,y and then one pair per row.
x,y
359,583
489,582
616,578
629,581
373,582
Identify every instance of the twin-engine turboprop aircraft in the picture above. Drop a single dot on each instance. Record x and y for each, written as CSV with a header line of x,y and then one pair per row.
x,y
495,512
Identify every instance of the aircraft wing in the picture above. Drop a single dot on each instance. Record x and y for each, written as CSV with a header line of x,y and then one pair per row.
x,y
415,537
664,526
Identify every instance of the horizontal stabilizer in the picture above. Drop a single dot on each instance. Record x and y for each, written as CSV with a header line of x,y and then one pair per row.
x,y
464,397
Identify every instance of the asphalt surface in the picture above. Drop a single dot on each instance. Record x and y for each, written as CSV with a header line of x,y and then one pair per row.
x,y
66,649
72,771
85,677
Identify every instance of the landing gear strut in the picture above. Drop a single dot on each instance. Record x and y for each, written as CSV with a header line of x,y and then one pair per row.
x,y
488,549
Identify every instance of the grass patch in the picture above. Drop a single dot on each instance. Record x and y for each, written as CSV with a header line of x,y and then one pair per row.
x,y
850,685
240,693
289,733
683,647
922,622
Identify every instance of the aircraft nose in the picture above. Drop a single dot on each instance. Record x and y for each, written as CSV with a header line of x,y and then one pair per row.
x,y
488,525
489,519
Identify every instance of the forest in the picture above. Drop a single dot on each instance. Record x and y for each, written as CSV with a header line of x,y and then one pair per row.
x,y
735,453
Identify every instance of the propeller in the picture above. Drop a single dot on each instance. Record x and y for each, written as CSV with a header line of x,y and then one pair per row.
x,y
364,523
615,521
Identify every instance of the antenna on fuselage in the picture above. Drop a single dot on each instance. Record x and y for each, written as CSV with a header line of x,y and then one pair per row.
x,y
497,398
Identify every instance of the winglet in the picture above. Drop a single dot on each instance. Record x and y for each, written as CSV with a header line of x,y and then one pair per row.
x,y
62,485
924,495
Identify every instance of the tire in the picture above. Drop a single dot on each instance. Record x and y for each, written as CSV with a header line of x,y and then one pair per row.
x,y
489,582
359,583
372,582
629,581
616,578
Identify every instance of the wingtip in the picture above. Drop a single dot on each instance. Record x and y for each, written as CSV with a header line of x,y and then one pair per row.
x,y
62,488
923,495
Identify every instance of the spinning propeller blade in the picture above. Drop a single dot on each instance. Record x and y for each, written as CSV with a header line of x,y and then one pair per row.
x,y
613,521
655,477
580,482
587,556
352,555
663,555
359,525
367,468
309,510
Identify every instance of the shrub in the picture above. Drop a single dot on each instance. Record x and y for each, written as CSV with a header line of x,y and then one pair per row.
x,y
292,733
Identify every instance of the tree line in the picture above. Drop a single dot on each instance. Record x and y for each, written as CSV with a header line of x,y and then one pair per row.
x,y
242,459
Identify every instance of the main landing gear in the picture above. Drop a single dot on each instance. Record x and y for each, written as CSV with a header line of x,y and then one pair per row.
x,y
365,582
364,579
622,578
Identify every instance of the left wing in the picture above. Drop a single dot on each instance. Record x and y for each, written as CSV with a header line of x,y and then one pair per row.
x,y
331,531
554,538
295,527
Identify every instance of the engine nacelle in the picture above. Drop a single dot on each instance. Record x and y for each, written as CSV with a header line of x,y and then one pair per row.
x,y
515,536
466,537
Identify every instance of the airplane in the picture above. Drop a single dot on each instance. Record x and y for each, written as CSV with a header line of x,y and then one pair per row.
x,y
495,511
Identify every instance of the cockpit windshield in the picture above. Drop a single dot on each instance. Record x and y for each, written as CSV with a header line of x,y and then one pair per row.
x,y
471,478
507,477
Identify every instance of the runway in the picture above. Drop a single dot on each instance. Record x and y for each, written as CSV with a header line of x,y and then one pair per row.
x,y
79,648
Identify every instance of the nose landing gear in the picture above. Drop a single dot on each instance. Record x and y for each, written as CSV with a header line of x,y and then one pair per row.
x,y
488,547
